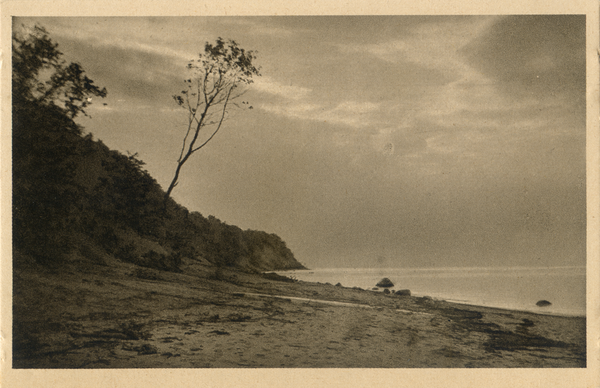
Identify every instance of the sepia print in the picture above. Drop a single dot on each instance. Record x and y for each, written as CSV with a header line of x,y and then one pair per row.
x,y
391,192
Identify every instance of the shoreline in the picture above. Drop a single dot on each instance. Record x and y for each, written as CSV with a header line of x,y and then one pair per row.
x,y
474,305
436,299
481,292
124,317
552,314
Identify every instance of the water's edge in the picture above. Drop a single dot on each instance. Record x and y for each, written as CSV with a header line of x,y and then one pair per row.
x,y
515,289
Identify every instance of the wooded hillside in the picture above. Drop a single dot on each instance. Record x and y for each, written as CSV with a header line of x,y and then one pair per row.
x,y
75,199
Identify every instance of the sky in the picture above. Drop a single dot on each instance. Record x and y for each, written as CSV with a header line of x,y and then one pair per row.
x,y
400,141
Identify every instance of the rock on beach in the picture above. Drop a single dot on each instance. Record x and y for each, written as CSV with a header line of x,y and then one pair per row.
x,y
385,283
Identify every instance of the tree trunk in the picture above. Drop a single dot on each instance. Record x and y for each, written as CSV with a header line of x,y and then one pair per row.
x,y
174,181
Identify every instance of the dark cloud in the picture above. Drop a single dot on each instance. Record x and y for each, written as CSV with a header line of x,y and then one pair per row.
x,y
537,56
132,74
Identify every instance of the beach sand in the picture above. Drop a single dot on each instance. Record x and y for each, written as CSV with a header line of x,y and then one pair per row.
x,y
122,316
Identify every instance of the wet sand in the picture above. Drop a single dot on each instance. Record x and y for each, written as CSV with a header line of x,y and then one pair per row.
x,y
122,316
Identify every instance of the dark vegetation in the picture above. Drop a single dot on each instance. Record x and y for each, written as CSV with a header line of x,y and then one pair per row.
x,y
75,199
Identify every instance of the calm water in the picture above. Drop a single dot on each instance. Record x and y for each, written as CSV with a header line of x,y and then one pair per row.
x,y
512,288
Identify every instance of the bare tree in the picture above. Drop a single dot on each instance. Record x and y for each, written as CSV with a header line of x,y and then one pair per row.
x,y
216,78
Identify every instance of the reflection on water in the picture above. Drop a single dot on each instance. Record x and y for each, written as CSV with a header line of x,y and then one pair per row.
x,y
512,288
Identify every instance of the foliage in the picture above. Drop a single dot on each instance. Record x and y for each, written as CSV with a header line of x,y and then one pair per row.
x,y
41,77
73,196
47,94
45,193
211,87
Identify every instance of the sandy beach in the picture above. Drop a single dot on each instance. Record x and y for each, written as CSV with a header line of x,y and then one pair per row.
x,y
123,316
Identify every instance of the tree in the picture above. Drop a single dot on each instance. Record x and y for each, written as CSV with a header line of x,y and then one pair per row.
x,y
213,86
41,77
47,93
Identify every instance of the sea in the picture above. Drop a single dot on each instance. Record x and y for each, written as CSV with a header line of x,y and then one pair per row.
x,y
514,288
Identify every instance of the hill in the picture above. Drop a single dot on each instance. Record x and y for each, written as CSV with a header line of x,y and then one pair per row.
x,y
74,199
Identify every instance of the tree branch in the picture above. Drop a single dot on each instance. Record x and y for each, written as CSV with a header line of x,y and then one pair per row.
x,y
217,73
220,122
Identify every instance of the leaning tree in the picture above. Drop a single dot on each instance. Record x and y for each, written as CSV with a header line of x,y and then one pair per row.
x,y
42,77
215,82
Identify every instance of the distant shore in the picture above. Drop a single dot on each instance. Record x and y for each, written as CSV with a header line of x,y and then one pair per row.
x,y
107,317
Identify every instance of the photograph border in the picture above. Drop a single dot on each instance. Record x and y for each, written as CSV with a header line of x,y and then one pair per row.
x,y
340,377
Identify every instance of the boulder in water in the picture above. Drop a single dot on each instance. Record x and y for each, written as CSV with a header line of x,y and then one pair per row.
x,y
403,292
543,303
385,282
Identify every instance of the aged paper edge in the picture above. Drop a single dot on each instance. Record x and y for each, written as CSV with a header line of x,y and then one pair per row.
x,y
425,377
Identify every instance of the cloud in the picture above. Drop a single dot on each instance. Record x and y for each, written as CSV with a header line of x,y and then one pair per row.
x,y
113,33
347,113
294,110
259,26
145,76
353,107
123,57
350,113
298,102
433,45
540,55
268,85
437,46
480,104
132,45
